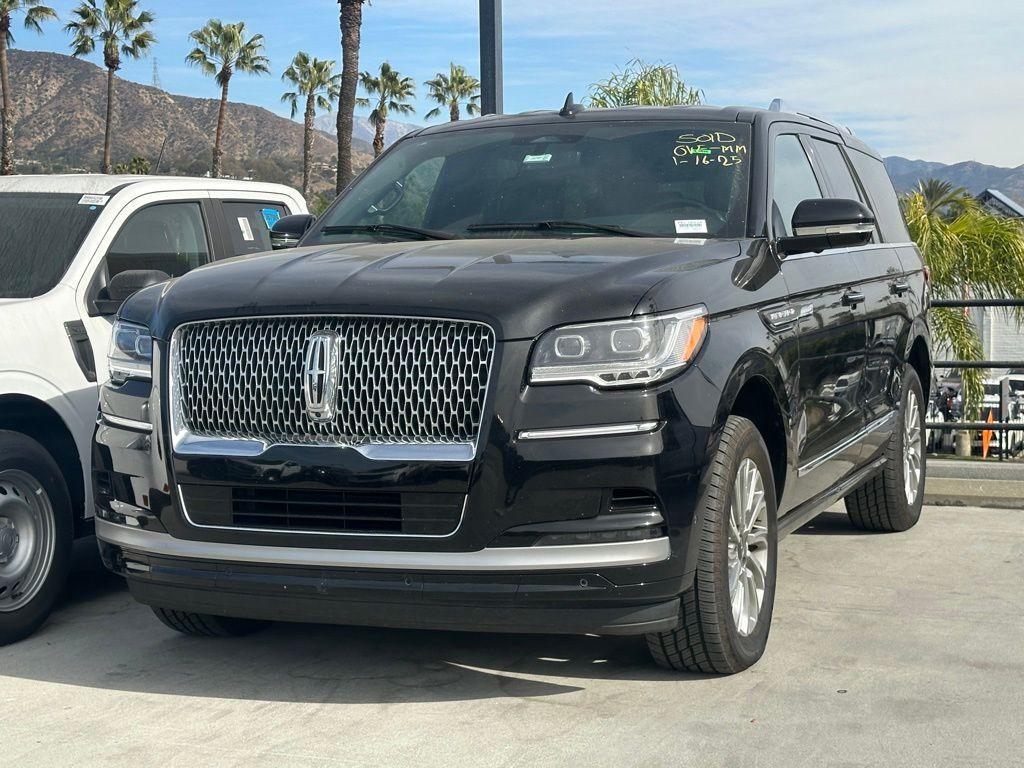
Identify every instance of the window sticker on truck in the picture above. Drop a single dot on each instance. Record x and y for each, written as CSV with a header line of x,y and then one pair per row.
x,y
246,228
93,199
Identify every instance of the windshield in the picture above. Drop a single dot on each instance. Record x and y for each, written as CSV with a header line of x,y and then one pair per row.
x,y
654,178
39,236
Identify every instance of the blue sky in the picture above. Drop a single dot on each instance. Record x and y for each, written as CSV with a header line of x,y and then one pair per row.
x,y
932,79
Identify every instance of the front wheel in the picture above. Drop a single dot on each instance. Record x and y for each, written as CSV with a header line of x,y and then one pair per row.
x,y
728,612
891,500
35,535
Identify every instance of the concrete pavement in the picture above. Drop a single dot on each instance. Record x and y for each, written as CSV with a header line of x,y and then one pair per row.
x,y
887,650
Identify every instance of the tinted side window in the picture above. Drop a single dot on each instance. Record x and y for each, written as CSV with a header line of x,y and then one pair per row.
x,y
882,197
249,224
836,170
793,182
169,237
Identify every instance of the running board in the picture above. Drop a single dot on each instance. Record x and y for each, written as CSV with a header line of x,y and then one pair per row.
x,y
814,507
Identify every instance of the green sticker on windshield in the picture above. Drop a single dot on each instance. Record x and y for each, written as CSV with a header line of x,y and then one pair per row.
x,y
537,159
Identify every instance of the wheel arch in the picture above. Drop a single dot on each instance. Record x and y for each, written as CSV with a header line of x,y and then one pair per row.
x,y
756,391
35,418
919,355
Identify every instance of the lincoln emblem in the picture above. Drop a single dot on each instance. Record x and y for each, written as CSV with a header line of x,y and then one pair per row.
x,y
320,375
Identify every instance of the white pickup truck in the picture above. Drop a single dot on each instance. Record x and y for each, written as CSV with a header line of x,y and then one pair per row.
x,y
72,248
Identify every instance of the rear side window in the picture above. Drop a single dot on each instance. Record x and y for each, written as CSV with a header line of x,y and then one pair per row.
x,y
249,224
881,197
793,182
832,162
169,237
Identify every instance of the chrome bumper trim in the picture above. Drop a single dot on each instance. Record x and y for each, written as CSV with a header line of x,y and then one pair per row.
x,y
603,430
509,559
188,444
120,421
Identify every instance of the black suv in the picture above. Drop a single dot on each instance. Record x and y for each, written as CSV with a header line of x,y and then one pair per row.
x,y
569,372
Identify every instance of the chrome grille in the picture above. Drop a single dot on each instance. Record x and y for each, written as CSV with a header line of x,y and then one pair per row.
x,y
401,381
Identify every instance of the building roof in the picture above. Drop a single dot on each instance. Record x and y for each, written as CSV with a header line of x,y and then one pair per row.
x,y
1002,204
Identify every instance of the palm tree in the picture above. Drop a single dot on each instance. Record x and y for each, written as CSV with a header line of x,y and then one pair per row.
x,y
351,21
451,90
940,196
641,83
220,51
392,93
971,253
35,13
315,80
121,28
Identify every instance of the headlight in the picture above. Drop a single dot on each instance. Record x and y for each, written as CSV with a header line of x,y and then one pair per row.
x,y
620,353
131,352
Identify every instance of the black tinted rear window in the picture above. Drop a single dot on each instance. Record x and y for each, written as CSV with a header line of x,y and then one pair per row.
x,y
39,237
882,197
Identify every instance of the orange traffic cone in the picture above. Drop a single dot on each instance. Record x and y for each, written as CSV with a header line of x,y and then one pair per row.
x,y
986,436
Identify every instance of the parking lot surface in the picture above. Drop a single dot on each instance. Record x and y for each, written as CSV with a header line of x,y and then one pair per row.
x,y
889,650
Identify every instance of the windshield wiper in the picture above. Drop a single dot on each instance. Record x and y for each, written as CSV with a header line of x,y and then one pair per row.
x,y
389,230
584,226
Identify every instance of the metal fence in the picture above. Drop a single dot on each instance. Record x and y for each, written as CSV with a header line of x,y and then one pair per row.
x,y
1004,426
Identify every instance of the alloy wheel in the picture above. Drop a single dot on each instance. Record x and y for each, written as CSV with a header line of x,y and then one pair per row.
x,y
912,449
27,538
748,547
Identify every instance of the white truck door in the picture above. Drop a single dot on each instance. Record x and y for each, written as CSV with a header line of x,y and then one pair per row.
x,y
169,232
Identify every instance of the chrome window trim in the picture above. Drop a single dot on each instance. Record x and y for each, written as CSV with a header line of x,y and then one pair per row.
x,y
874,426
294,532
603,430
494,559
852,249
185,443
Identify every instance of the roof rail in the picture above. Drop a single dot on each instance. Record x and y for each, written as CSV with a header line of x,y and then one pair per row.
x,y
778,105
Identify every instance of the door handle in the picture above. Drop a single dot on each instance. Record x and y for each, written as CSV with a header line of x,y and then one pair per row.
x,y
899,287
852,299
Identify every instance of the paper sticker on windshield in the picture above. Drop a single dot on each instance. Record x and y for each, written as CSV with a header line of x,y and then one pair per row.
x,y
246,227
537,158
93,199
691,227
271,216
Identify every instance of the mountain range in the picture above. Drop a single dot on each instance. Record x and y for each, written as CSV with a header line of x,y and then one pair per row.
x,y
972,176
363,130
60,104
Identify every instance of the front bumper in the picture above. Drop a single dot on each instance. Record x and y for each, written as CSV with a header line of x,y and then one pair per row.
x,y
514,562
434,590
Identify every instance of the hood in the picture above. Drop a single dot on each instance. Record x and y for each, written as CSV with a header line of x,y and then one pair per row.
x,y
520,287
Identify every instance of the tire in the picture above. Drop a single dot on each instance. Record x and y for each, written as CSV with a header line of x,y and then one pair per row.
x,y
709,639
206,625
888,502
36,534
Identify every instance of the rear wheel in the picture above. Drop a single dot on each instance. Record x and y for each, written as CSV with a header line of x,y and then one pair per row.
x,y
891,500
207,625
727,614
36,534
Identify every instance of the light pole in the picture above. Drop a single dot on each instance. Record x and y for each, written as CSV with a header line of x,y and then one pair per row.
x,y
490,57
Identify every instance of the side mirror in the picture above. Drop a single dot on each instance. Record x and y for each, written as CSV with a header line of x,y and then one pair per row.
x,y
123,285
828,223
288,230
